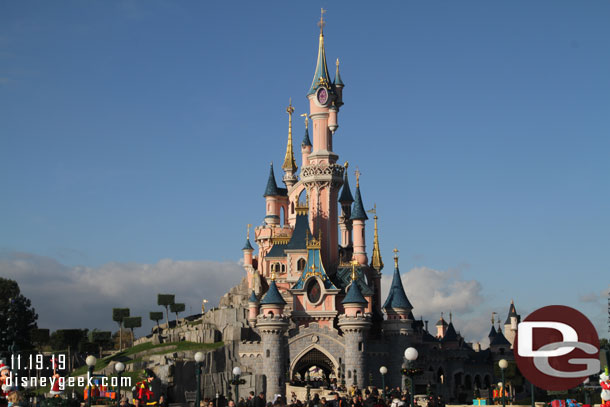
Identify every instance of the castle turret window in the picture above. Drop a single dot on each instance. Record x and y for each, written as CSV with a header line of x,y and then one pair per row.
x,y
313,290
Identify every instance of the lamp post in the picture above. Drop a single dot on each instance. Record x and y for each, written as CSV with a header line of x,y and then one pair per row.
x,y
119,367
236,373
90,361
411,355
198,365
383,370
503,365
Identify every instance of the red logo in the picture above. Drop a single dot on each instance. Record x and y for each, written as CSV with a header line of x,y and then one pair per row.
x,y
557,348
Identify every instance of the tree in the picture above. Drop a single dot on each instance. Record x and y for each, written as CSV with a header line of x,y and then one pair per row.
x,y
131,323
18,317
165,300
156,316
118,315
176,309
40,337
72,339
101,339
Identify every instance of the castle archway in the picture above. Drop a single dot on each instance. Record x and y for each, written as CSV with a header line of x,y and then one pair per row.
x,y
313,360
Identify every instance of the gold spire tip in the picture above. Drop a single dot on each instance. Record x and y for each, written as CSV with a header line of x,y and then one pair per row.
x,y
273,275
346,165
354,263
337,62
248,233
395,257
306,120
358,173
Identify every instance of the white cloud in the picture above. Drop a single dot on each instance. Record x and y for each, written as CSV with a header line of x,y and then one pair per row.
x,y
83,297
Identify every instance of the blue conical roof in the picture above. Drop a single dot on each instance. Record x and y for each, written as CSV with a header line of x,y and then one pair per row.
x,y
253,297
358,212
338,81
397,297
321,76
354,296
346,193
306,141
271,189
492,333
273,296
248,246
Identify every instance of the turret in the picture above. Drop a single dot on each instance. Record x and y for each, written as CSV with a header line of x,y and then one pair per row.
x,y
271,324
338,87
358,217
492,331
354,302
397,306
252,309
441,327
305,144
248,249
511,323
289,166
271,195
346,200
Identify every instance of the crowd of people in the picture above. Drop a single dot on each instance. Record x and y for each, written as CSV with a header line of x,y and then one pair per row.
x,y
353,397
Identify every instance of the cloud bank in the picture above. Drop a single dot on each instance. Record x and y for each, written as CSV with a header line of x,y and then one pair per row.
x,y
83,297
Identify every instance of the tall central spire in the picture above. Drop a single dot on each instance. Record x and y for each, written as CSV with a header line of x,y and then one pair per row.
x,y
289,163
376,261
321,76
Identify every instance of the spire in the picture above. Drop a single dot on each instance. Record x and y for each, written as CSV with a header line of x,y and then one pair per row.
x,y
253,297
338,81
306,141
512,312
248,246
376,261
346,194
358,212
271,189
397,297
321,76
289,163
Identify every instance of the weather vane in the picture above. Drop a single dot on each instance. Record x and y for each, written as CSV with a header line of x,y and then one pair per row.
x,y
322,23
374,210
306,120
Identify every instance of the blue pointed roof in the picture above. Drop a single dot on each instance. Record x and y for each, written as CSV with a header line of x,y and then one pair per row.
x,y
346,194
253,297
321,76
499,339
271,189
306,141
314,259
492,333
397,297
248,246
512,312
450,334
273,296
298,240
358,212
338,81
354,296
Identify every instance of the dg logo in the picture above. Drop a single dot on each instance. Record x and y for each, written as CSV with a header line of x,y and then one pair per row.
x,y
557,348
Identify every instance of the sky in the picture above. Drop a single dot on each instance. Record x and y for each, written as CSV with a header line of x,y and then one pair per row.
x,y
136,138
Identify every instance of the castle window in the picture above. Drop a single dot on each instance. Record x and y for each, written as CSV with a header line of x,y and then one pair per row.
x,y
360,346
313,291
301,265
283,268
268,353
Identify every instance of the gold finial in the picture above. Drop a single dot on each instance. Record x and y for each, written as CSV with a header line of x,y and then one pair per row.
x,y
248,233
354,263
346,165
395,257
376,261
337,63
358,173
450,317
273,275
492,318
322,23
306,116
289,163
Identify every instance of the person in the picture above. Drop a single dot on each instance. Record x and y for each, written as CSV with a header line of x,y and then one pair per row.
x,y
231,403
143,390
396,401
260,401
162,401
250,399
14,399
315,401
355,402
323,402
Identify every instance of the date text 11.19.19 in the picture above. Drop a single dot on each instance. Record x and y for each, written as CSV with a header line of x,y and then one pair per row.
x,y
37,362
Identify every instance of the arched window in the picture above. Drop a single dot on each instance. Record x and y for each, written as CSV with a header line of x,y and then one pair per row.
x,y
301,264
283,268
268,353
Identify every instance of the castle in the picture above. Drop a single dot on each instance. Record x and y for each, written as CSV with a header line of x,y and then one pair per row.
x,y
315,304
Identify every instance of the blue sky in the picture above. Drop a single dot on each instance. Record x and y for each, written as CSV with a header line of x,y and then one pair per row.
x,y
137,131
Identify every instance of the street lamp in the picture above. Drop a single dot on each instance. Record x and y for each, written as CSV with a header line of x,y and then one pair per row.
x,y
411,355
503,365
199,356
90,361
236,381
383,370
119,367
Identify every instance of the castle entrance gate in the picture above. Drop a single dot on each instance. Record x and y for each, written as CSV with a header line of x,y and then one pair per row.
x,y
314,366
